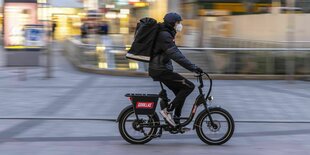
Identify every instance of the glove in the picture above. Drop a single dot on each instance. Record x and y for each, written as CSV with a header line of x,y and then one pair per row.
x,y
198,70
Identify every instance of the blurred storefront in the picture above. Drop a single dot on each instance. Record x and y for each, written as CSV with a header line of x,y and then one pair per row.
x,y
66,17
236,7
67,20
17,14
63,18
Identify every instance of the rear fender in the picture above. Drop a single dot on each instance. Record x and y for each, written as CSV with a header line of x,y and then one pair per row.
x,y
123,111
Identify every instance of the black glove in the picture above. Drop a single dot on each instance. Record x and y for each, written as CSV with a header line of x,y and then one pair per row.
x,y
198,70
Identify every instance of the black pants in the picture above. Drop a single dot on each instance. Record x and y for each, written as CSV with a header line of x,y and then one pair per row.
x,y
180,86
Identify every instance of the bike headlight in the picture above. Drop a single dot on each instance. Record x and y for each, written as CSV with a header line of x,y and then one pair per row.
x,y
210,98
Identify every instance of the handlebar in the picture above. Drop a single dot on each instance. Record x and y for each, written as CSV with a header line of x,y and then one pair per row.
x,y
199,77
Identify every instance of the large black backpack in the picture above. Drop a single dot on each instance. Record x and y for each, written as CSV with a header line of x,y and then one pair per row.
x,y
144,40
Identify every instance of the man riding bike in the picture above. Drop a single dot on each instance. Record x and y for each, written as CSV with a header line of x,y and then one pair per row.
x,y
161,69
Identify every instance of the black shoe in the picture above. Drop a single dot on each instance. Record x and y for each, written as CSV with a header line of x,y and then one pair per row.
x,y
176,120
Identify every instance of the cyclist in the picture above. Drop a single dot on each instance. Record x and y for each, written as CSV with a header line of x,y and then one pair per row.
x,y
161,69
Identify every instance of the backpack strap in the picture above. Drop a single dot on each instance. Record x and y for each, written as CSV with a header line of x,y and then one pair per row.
x,y
154,44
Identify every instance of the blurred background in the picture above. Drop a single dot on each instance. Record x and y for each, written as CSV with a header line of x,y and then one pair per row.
x,y
222,36
258,52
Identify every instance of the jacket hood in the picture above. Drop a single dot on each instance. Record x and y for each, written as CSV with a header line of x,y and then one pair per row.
x,y
172,18
168,28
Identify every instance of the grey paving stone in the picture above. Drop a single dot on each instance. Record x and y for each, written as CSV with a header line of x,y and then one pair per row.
x,y
75,94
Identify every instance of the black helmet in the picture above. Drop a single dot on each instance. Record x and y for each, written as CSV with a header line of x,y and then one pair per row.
x,y
172,18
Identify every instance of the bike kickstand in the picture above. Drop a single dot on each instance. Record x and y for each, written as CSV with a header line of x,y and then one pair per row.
x,y
160,132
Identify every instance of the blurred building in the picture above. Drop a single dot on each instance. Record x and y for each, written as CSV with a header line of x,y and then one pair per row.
x,y
234,7
304,4
201,17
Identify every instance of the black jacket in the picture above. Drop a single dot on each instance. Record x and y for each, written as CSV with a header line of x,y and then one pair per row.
x,y
165,50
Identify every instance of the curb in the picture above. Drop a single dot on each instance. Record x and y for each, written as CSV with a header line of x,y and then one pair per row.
x,y
92,69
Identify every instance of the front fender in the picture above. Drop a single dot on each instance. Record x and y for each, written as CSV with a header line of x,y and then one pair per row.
x,y
122,112
203,112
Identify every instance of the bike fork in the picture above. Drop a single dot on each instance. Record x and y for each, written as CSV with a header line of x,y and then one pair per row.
x,y
209,115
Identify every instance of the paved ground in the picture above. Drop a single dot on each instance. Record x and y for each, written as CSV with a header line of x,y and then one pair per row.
x,y
72,94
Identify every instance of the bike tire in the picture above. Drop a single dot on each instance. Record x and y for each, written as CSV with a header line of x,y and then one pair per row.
x,y
154,119
212,111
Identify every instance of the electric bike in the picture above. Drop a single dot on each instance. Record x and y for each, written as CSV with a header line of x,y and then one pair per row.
x,y
139,123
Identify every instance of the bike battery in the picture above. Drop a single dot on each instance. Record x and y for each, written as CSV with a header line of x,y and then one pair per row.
x,y
144,104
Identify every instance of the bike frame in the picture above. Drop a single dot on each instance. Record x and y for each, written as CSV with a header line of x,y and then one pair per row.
x,y
201,99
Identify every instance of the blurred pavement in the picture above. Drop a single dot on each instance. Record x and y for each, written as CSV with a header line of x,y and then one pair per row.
x,y
73,94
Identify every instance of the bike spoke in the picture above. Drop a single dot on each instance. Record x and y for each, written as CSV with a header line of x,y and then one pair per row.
x,y
218,129
135,128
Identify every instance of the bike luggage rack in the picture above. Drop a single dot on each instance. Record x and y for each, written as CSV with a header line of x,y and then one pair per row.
x,y
144,104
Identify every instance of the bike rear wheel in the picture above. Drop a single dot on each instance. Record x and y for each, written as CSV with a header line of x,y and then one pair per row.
x,y
132,130
220,131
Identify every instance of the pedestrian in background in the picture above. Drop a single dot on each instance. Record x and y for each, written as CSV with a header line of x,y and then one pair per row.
x,y
84,30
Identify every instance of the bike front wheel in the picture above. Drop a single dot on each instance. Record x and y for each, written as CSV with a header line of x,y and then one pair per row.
x,y
218,132
137,131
